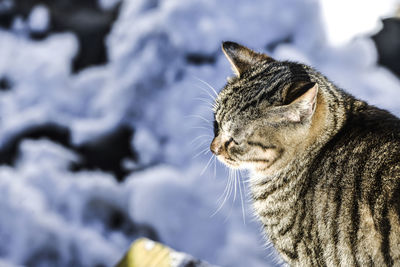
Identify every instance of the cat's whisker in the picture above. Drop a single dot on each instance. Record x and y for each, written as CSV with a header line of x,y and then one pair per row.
x,y
201,145
209,104
245,181
208,85
201,123
229,213
225,191
199,137
201,152
208,163
205,91
200,142
235,183
201,127
201,148
215,106
224,195
199,117
231,179
241,196
232,183
215,167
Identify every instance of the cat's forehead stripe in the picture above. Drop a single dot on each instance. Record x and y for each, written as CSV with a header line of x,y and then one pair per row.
x,y
262,83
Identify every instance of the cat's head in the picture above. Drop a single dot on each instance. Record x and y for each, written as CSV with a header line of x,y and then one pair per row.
x,y
264,113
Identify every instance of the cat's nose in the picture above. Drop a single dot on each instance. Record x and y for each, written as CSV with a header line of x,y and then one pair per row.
x,y
215,147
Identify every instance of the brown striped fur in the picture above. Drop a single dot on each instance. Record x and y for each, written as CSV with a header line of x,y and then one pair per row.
x,y
325,172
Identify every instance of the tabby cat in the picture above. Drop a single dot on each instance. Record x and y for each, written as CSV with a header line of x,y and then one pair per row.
x,y
324,166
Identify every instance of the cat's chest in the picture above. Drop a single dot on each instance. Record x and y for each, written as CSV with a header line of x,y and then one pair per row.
x,y
285,210
276,202
295,215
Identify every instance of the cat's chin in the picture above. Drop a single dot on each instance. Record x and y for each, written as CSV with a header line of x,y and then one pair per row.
x,y
230,163
255,167
267,171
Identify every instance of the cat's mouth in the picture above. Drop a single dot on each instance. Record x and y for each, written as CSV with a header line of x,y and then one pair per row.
x,y
229,161
220,151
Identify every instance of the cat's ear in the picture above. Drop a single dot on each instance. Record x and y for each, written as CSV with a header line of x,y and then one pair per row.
x,y
240,57
303,107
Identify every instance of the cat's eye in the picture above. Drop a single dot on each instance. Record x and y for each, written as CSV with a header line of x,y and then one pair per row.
x,y
231,140
227,143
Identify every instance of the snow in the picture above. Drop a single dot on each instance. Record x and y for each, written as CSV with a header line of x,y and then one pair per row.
x,y
356,17
52,216
108,4
38,19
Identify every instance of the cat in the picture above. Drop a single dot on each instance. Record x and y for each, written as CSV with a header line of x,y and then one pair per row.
x,y
324,166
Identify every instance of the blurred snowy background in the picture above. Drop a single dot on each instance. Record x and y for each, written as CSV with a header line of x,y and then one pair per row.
x,y
104,109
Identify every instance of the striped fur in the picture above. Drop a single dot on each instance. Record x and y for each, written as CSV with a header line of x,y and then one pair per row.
x,y
325,174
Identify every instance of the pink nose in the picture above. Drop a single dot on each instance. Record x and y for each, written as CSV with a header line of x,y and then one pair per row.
x,y
214,147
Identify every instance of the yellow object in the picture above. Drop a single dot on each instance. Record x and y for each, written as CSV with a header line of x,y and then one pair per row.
x,y
147,253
